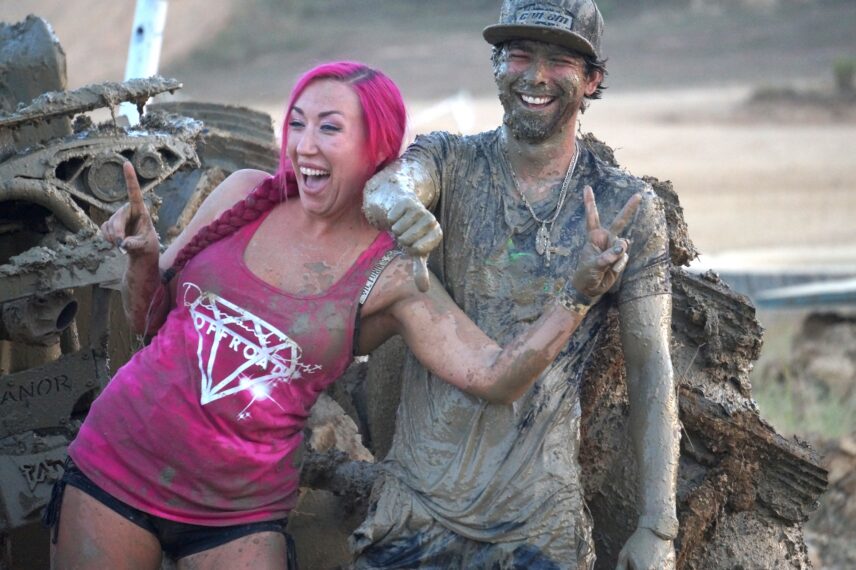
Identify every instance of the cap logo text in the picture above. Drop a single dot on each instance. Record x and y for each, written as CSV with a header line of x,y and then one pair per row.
x,y
545,18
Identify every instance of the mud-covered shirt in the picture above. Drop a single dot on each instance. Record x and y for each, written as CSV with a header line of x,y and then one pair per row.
x,y
505,475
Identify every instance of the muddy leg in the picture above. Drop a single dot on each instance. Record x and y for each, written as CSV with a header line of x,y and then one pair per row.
x,y
93,536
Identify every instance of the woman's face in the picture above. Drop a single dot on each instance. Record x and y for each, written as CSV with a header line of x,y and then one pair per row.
x,y
326,136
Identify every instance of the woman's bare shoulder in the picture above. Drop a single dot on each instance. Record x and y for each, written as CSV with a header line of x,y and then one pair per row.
x,y
232,190
236,187
248,175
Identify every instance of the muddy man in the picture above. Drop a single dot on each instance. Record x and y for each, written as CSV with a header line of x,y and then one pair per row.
x,y
469,484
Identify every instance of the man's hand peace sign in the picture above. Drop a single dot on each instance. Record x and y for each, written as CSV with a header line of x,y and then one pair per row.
x,y
131,228
604,256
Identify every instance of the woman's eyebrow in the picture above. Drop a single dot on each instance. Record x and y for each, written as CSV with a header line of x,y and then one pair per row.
x,y
321,114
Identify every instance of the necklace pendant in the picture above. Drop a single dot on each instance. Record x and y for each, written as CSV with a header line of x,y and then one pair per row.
x,y
542,240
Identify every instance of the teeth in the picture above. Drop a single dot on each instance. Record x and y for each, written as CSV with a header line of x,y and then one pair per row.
x,y
535,100
313,172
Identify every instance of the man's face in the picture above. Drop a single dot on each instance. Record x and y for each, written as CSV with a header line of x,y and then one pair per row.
x,y
541,87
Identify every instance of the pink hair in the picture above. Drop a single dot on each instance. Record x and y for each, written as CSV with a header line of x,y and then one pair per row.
x,y
384,115
385,119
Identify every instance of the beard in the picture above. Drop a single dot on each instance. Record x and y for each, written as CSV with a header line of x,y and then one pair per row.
x,y
534,126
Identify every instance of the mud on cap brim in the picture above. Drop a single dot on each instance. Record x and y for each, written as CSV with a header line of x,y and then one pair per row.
x,y
500,33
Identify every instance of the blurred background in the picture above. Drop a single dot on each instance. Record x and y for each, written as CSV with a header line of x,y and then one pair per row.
x,y
747,106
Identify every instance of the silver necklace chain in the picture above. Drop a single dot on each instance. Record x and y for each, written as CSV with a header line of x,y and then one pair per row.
x,y
543,239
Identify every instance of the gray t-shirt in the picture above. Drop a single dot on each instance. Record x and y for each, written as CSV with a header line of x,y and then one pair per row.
x,y
506,475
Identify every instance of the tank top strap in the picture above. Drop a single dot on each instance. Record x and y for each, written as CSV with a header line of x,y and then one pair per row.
x,y
366,264
378,268
382,253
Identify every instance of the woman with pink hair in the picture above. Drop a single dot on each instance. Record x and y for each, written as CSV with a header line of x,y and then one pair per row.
x,y
193,449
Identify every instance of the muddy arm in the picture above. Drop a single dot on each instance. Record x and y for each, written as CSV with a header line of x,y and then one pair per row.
x,y
141,286
335,472
132,231
452,347
645,336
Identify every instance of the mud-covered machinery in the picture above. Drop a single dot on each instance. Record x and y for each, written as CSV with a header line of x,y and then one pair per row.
x,y
61,177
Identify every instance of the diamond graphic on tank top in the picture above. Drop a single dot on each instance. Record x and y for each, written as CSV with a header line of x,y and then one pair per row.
x,y
260,354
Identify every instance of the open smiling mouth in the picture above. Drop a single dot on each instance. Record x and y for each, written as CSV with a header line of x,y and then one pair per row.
x,y
535,102
313,177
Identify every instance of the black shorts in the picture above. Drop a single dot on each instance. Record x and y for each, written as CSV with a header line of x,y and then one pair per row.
x,y
177,539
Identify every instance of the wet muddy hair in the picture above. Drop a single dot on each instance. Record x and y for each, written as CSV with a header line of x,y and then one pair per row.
x,y
384,119
592,64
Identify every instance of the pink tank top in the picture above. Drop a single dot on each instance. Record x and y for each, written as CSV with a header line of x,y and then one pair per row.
x,y
204,425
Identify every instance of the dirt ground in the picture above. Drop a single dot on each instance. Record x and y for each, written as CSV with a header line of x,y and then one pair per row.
x,y
764,186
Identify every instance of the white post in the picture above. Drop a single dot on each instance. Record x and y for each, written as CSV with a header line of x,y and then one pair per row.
x,y
145,47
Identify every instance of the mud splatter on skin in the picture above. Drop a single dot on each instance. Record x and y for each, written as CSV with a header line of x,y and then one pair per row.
x,y
481,367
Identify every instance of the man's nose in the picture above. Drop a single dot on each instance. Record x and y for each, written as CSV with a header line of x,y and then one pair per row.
x,y
536,72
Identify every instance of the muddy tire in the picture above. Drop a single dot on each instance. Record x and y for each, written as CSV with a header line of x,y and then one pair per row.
x,y
233,138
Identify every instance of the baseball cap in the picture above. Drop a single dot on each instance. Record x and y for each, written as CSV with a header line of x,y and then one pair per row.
x,y
575,24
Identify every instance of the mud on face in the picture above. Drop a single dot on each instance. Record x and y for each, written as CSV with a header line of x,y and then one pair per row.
x,y
531,69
